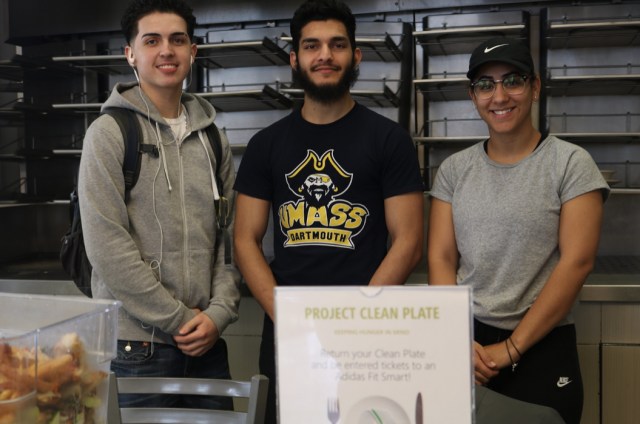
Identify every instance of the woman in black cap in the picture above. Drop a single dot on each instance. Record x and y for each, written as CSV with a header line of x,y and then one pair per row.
x,y
517,217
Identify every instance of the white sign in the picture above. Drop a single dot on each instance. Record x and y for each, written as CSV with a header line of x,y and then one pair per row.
x,y
372,355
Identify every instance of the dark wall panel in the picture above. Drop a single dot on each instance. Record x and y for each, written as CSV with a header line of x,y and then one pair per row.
x,y
28,230
34,21
17,224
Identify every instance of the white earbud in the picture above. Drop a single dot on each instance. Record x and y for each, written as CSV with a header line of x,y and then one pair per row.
x,y
192,59
130,58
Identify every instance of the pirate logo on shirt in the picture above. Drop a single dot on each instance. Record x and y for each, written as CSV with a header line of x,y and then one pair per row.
x,y
318,217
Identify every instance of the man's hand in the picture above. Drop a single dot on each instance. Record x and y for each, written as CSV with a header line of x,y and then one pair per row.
x,y
197,336
485,367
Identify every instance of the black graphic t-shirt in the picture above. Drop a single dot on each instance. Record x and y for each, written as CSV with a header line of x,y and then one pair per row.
x,y
327,185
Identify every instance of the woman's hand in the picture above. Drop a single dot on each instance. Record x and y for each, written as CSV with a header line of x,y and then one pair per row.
x,y
485,367
498,352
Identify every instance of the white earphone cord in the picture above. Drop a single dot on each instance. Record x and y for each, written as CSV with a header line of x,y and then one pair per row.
x,y
156,263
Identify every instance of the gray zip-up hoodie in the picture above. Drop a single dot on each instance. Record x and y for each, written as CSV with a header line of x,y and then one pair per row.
x,y
161,254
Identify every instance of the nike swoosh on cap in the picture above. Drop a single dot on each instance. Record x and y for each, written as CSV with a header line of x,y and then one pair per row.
x,y
563,384
487,49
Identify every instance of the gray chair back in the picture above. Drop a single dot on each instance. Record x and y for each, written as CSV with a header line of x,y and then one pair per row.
x,y
255,390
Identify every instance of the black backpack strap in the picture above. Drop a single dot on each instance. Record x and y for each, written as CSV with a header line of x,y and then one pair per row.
x,y
213,134
223,208
132,134
73,255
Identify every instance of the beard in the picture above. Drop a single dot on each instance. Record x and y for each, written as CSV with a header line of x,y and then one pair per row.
x,y
316,196
327,93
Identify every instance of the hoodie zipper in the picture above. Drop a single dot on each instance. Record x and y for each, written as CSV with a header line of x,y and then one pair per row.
x,y
185,229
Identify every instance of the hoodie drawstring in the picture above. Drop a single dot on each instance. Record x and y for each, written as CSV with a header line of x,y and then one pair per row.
x,y
162,158
216,195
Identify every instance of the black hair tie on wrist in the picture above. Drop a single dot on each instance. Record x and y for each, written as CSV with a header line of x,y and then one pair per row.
x,y
514,346
513,364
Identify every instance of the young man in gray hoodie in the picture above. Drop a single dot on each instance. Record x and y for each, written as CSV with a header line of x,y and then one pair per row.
x,y
161,252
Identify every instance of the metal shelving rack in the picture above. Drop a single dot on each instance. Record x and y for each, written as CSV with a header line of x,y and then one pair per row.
x,y
623,121
214,55
17,111
243,54
266,98
22,68
592,85
577,29
445,138
443,89
40,154
221,51
108,64
46,164
564,33
89,107
463,39
268,89
624,170
210,56
611,137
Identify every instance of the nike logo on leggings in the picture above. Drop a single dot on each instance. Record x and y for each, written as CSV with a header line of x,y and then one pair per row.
x,y
563,381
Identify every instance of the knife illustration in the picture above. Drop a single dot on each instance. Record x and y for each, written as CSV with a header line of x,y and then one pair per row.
x,y
419,409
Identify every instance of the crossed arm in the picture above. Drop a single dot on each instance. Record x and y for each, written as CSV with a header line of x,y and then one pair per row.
x,y
579,233
404,221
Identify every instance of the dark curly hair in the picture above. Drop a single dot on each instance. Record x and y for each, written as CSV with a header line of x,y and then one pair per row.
x,y
322,10
138,9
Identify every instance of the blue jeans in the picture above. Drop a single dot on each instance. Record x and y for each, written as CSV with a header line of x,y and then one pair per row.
x,y
169,361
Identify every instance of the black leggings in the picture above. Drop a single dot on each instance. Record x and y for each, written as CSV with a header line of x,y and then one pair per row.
x,y
548,374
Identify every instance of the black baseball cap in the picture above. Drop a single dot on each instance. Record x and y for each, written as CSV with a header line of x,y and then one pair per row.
x,y
501,49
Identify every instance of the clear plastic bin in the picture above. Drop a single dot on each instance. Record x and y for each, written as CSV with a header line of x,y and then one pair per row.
x,y
55,354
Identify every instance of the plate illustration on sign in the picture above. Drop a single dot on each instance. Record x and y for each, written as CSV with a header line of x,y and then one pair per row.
x,y
377,410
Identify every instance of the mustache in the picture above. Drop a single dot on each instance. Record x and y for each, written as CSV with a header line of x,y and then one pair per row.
x,y
332,67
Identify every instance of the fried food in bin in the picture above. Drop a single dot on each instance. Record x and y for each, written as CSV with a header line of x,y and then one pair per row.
x,y
63,385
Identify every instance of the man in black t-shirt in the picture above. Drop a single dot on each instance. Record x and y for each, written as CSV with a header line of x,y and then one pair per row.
x,y
339,177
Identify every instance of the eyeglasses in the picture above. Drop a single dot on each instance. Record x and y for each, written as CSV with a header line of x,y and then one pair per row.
x,y
513,84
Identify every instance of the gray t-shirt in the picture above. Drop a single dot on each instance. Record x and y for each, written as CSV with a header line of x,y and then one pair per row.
x,y
506,220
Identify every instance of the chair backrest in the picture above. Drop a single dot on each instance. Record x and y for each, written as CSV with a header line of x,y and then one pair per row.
x,y
255,390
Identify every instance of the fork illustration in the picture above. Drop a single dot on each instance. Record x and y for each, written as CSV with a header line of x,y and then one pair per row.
x,y
333,410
